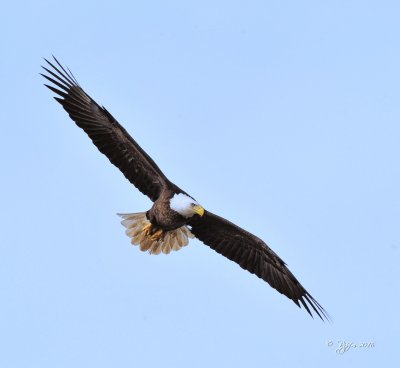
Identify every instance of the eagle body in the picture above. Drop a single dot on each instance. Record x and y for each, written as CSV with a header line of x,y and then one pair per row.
x,y
175,216
163,216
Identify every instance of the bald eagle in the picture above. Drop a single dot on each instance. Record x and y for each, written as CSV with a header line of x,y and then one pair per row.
x,y
175,216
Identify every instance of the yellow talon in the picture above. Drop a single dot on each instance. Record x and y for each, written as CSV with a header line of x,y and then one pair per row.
x,y
148,228
157,235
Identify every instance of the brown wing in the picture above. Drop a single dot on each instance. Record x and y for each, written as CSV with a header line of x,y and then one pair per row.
x,y
106,133
252,254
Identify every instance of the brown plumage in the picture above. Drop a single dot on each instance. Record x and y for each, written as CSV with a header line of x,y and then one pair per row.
x,y
175,216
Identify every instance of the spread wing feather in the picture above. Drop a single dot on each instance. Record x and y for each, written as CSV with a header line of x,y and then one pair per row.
x,y
106,133
252,254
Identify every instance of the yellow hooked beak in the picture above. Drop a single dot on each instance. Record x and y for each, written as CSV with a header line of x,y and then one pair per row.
x,y
198,209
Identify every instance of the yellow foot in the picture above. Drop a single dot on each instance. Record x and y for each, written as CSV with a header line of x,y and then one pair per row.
x,y
157,235
148,229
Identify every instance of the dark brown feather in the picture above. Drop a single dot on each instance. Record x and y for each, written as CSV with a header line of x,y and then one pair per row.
x,y
107,134
252,254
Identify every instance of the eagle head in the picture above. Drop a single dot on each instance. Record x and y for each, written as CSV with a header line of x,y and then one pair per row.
x,y
186,206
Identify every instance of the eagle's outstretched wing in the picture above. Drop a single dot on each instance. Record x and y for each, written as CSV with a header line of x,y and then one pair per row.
x,y
252,254
106,133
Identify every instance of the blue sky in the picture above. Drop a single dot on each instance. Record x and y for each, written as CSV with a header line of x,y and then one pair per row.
x,y
282,116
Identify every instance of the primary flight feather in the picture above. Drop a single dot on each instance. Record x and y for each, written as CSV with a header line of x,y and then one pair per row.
x,y
175,216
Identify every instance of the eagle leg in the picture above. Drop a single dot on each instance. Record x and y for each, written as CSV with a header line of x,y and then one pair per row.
x,y
157,235
148,229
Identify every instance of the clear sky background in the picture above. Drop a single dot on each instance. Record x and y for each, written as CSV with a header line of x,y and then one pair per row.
x,y
282,116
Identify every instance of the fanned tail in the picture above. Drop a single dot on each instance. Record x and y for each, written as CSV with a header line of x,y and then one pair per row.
x,y
137,228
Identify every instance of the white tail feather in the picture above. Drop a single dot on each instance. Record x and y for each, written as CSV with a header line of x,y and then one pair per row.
x,y
170,241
